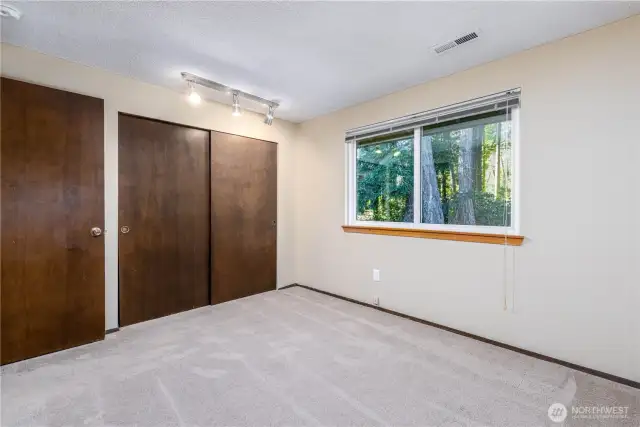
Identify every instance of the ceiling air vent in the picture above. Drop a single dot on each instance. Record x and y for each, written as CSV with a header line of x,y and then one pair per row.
x,y
457,42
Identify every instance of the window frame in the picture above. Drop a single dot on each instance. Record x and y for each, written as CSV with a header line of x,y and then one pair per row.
x,y
351,193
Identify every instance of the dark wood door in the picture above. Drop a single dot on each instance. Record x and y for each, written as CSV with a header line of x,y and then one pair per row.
x,y
243,216
164,203
52,195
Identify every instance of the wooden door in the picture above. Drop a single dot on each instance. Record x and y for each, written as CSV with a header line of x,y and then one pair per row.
x,y
164,205
52,294
243,216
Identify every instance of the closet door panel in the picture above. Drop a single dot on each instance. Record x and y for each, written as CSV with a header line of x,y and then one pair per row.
x,y
244,213
164,218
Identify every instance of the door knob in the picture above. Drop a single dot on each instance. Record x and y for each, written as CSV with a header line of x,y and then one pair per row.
x,y
96,232
124,229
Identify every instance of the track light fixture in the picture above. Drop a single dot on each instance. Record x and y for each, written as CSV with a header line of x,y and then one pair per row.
x,y
193,80
268,118
236,105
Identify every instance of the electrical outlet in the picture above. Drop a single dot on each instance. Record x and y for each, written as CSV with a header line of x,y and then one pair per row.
x,y
376,300
376,275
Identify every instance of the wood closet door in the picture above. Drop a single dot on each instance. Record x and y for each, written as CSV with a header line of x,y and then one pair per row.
x,y
52,295
164,203
243,216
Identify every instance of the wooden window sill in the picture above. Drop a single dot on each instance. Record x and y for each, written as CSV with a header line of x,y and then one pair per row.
x,y
461,236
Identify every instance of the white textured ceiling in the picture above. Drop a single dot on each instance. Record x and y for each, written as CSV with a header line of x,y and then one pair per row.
x,y
315,57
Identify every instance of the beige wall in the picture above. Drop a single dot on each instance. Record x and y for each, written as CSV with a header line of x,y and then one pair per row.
x,y
575,282
122,94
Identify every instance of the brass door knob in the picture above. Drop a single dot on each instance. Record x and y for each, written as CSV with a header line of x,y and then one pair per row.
x,y
125,229
96,232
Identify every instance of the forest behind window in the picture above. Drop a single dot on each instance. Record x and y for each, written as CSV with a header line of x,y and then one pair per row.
x,y
384,179
465,174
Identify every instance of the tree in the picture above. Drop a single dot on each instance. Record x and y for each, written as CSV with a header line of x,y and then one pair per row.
x,y
408,213
431,203
464,209
465,176
498,148
385,181
478,158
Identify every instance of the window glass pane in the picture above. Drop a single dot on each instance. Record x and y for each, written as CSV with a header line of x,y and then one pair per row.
x,y
384,180
466,173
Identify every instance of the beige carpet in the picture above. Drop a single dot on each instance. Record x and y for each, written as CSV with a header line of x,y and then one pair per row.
x,y
297,358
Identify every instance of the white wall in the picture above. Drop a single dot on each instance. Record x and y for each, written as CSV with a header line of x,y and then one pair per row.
x,y
123,94
576,279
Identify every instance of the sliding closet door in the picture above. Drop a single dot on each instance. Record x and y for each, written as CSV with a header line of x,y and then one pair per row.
x,y
164,218
243,216
52,196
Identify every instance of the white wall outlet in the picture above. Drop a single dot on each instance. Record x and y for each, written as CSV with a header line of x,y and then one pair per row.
x,y
376,275
376,300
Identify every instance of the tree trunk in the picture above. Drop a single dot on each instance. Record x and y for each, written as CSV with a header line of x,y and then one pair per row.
x,y
476,144
445,197
464,209
431,204
498,170
454,183
408,213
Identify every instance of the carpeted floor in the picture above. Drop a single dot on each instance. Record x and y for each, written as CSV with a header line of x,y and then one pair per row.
x,y
297,358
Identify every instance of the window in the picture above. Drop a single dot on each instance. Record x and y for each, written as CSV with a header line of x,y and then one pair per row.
x,y
451,169
385,179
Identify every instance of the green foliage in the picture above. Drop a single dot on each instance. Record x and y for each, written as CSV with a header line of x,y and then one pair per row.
x,y
446,150
384,179
390,209
488,209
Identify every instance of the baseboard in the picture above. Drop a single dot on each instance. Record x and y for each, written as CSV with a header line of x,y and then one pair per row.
x,y
112,330
570,365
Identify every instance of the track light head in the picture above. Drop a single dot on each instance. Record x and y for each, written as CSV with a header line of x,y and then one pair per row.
x,y
8,11
236,105
193,97
268,118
